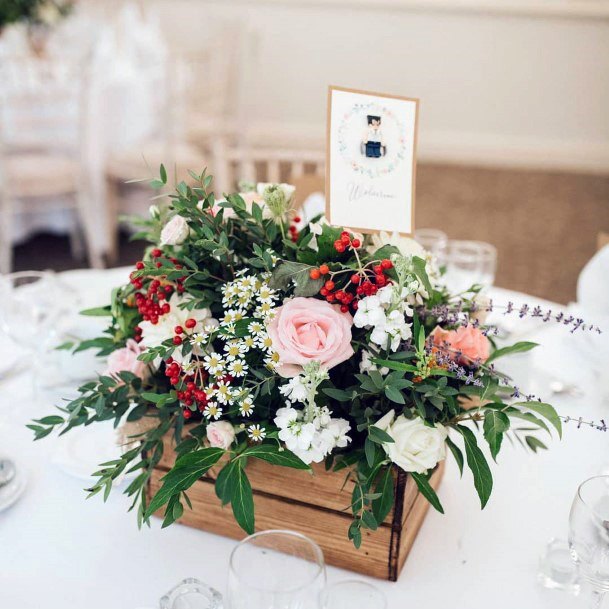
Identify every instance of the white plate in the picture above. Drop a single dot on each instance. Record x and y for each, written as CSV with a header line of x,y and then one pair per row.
x,y
12,491
80,452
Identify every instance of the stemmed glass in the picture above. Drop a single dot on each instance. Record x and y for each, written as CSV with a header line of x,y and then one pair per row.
x,y
434,241
589,536
469,263
276,570
29,309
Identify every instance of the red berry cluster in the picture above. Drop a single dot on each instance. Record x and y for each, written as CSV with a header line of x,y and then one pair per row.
x,y
293,229
189,324
365,282
346,240
150,304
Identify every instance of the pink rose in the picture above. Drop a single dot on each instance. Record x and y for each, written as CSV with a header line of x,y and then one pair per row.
x,y
306,330
467,340
125,359
220,434
175,231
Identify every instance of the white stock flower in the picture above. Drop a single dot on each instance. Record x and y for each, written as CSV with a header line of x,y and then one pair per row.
x,y
175,231
406,245
416,447
295,389
366,365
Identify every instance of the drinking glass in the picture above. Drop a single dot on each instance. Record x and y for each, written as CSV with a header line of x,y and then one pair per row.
x,y
589,536
29,308
192,594
276,570
434,241
353,594
469,263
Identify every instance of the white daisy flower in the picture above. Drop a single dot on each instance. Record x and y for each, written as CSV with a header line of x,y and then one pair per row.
x,y
238,368
256,433
223,393
248,343
266,295
264,342
264,311
213,363
256,327
212,411
232,350
272,361
246,407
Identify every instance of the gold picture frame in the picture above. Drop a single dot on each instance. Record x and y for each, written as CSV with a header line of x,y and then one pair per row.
x,y
329,132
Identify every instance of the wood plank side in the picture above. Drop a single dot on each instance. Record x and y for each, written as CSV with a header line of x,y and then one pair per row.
x,y
323,489
328,529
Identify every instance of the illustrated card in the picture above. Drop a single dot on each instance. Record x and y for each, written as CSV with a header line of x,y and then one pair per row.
x,y
371,161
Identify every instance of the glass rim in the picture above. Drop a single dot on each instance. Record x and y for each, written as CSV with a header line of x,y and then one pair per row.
x,y
320,562
581,486
354,582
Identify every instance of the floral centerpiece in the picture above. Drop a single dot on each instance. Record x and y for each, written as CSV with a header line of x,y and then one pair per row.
x,y
251,335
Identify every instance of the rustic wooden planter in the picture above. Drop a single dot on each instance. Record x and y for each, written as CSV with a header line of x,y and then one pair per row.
x,y
315,505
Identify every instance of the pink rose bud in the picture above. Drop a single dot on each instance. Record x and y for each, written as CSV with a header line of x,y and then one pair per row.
x,y
125,360
220,434
466,344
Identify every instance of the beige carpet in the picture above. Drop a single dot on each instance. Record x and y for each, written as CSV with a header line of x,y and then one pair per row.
x,y
544,225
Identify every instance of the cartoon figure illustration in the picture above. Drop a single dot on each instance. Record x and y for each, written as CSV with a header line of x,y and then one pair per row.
x,y
373,145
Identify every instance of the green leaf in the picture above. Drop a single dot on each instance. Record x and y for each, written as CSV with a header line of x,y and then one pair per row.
x,y
427,490
286,272
186,471
519,347
225,482
393,365
242,500
369,521
379,436
382,506
535,444
338,394
370,452
275,455
357,499
483,479
163,173
496,423
457,454
545,410
418,265
97,312
395,395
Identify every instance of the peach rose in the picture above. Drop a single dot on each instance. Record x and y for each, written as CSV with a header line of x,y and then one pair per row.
x,y
125,359
220,434
306,330
467,340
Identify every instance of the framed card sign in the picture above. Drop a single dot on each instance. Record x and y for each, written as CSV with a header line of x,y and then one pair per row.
x,y
371,161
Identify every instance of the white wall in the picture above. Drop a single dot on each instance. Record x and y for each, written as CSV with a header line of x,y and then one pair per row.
x,y
507,87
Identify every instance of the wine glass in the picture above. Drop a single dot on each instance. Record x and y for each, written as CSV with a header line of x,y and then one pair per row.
x,y
589,536
29,309
434,241
469,263
276,570
353,594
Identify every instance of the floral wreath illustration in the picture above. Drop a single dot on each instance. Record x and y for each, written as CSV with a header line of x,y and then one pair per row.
x,y
357,166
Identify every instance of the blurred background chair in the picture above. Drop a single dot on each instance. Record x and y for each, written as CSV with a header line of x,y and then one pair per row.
x,y
41,141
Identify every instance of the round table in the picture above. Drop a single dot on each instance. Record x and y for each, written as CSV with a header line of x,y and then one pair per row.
x,y
59,551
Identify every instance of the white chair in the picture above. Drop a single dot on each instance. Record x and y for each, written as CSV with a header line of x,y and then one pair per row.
x,y
41,138
268,165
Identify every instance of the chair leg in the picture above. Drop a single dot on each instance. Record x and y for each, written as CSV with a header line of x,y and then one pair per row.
x,y
87,221
6,237
112,209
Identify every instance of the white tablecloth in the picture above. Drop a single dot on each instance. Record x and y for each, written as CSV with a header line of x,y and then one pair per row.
x,y
58,551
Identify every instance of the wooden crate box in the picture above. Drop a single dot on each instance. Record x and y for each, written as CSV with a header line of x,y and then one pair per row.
x,y
317,506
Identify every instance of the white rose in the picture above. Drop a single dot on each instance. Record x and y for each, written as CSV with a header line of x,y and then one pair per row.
x,y
175,231
416,447
220,434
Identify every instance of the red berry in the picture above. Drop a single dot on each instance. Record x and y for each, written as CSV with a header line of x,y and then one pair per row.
x,y
377,268
344,308
329,285
354,305
314,273
174,380
139,265
355,278
345,240
156,253
330,298
187,413
386,264
323,292
190,323
360,290
178,329
177,340
296,219
337,244
356,243
324,269
158,265
166,308
167,289
340,247
380,280
339,295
